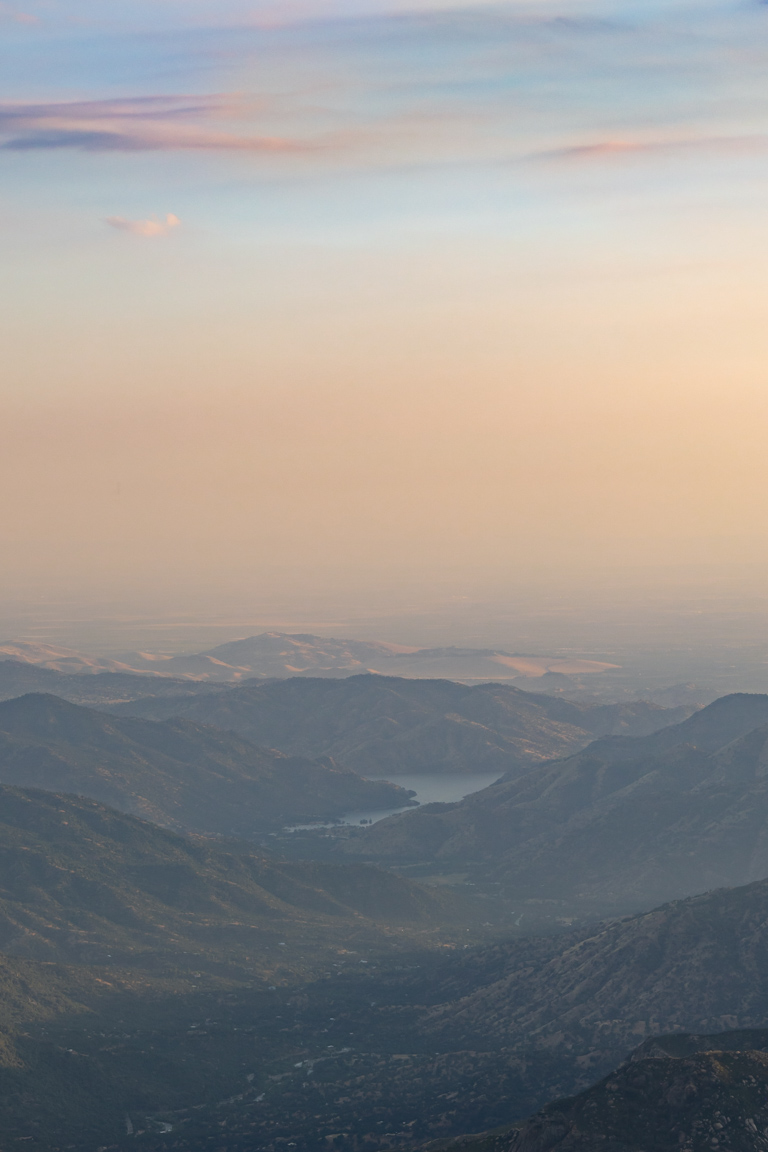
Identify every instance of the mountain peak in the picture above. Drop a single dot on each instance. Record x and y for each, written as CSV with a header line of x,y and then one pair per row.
x,y
39,707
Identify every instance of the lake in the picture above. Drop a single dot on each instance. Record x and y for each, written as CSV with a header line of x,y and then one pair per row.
x,y
431,788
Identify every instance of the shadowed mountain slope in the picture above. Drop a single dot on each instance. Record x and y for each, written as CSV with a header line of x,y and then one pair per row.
x,y
720,722
82,883
146,967
176,773
488,1036
677,1092
100,688
699,964
427,1048
622,823
381,725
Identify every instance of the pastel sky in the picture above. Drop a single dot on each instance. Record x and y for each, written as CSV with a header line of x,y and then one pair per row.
x,y
362,286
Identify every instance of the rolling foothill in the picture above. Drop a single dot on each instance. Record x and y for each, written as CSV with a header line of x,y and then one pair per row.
x,y
576,952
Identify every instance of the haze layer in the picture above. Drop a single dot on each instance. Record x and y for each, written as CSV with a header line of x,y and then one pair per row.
x,y
346,285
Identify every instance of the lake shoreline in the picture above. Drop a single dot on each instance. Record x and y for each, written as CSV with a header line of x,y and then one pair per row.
x,y
425,788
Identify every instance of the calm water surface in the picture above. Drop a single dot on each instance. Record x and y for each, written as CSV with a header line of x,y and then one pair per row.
x,y
436,787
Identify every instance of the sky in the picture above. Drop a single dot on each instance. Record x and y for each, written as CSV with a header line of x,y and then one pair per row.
x,y
364,294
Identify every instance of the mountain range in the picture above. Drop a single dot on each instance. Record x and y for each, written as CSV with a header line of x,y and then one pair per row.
x,y
625,822
386,726
374,724
281,654
201,993
95,689
175,772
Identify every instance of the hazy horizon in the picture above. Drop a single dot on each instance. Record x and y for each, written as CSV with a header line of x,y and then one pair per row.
x,y
437,323
714,635
340,302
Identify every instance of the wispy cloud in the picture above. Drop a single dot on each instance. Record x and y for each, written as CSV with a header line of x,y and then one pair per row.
x,y
219,122
380,85
169,123
617,149
148,228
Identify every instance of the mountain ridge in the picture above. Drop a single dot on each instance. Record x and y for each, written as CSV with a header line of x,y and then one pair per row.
x,y
174,772
99,688
621,824
677,1092
84,883
386,725
290,654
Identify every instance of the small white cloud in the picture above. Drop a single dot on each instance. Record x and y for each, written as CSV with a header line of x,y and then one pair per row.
x,y
151,227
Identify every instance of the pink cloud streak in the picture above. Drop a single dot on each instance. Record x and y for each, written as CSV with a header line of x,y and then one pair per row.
x,y
149,123
608,149
148,228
